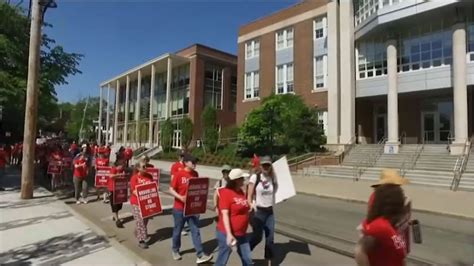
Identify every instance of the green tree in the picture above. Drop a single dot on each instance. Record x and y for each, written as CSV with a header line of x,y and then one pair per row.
x,y
282,124
167,129
187,128
55,66
210,130
76,115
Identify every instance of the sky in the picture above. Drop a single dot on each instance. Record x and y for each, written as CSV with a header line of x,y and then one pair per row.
x,y
116,35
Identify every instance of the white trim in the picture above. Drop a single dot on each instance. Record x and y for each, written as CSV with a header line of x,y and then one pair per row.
x,y
251,100
325,72
323,20
285,78
252,84
283,24
285,38
252,44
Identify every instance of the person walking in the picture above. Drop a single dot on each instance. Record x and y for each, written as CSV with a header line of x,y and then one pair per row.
x,y
116,172
261,196
176,168
141,177
233,220
80,179
382,243
178,189
102,161
221,183
3,160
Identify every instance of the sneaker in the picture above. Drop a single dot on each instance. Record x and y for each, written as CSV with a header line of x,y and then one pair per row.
x,y
184,233
176,255
143,245
204,258
84,201
78,202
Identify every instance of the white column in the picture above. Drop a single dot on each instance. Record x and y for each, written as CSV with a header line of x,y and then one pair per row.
x,y
459,88
137,110
168,87
127,102
99,132
347,73
116,110
152,98
392,144
107,122
333,73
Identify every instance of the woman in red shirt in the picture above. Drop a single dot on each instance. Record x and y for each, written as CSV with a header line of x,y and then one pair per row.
x,y
140,178
381,241
56,158
117,172
233,220
79,178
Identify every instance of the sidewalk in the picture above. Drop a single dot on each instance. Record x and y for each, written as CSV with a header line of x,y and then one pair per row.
x,y
429,199
44,231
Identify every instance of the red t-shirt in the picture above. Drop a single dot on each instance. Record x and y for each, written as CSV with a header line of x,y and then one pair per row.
x,y
236,203
102,162
390,245
3,159
128,154
255,161
114,171
371,201
80,172
138,179
180,184
176,167
73,147
107,151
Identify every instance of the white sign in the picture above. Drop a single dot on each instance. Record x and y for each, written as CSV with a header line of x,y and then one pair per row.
x,y
286,188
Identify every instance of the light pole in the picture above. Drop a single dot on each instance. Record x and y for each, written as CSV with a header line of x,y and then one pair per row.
x,y
38,8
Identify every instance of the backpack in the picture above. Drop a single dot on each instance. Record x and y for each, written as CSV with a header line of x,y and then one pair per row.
x,y
259,177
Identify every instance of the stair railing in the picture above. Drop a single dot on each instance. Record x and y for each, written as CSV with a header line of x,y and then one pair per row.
x,y
460,165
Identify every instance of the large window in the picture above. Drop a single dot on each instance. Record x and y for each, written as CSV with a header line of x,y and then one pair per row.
x,y
372,59
145,98
213,86
284,39
159,105
365,8
252,81
470,35
320,71
252,49
233,94
284,78
320,28
180,91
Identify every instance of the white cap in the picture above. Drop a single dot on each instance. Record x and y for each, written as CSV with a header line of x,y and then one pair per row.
x,y
237,173
84,146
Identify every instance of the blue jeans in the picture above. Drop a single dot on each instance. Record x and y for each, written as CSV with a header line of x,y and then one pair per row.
x,y
243,249
193,222
263,221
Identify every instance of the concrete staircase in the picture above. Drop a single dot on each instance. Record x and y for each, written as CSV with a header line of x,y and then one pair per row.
x,y
405,155
435,157
467,179
361,152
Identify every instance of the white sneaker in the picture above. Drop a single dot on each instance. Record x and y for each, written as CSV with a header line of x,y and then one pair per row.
x,y
184,233
84,201
176,255
78,202
204,258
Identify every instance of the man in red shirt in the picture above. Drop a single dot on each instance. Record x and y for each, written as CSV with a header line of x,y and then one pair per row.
x,y
80,180
178,188
117,171
177,166
3,160
128,155
102,161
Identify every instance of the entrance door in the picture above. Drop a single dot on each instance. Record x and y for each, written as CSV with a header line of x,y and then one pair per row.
x,y
380,126
429,126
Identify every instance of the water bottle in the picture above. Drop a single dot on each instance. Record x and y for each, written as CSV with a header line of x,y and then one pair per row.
x,y
416,230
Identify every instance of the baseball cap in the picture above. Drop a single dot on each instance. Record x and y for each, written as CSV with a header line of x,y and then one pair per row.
x,y
226,167
237,173
265,160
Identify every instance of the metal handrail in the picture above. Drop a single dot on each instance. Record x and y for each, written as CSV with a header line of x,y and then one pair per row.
x,y
460,165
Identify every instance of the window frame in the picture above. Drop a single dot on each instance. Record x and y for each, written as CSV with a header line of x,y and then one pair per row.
x,y
285,40
251,46
323,28
287,85
254,90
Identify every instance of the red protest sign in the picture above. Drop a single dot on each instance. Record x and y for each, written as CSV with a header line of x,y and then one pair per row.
x,y
148,200
54,168
102,176
120,190
196,197
155,172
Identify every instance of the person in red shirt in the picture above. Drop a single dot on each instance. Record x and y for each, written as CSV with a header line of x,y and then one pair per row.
x,y
177,166
117,171
102,161
73,148
233,220
128,155
107,150
381,241
79,178
56,158
3,160
140,178
178,189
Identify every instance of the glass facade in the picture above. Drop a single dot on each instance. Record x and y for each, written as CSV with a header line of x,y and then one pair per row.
x,y
372,60
233,94
179,100
213,86
366,8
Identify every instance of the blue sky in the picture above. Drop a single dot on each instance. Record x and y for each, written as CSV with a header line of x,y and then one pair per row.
x,y
117,35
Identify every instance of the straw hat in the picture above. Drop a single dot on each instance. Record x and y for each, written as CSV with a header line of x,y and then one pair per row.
x,y
391,176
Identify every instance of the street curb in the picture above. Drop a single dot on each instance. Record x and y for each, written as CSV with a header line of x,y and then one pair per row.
x,y
140,261
457,216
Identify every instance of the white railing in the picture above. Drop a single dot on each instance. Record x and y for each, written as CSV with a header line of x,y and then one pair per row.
x,y
460,165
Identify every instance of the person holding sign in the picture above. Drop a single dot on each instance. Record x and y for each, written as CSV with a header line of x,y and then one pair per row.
x,y
140,178
79,178
261,196
117,172
178,188
102,161
221,183
233,220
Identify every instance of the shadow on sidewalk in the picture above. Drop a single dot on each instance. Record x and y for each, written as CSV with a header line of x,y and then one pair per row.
x,y
34,220
282,250
55,251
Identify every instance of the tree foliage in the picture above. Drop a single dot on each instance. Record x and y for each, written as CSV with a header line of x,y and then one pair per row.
x,y
282,124
210,130
75,114
187,129
56,66
167,129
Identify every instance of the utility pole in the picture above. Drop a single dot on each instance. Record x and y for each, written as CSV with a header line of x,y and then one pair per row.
x,y
29,136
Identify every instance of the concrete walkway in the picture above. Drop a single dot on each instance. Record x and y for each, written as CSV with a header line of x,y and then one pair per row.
x,y
429,199
44,231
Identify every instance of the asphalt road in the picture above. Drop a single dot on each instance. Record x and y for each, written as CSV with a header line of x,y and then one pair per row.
x,y
314,231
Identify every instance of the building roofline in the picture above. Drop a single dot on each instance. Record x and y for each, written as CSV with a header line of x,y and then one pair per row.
x,y
205,47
